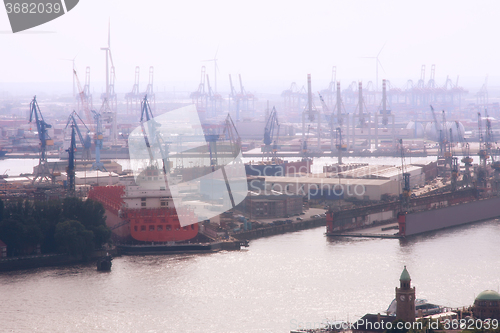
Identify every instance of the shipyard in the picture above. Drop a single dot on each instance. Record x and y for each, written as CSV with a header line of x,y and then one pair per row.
x,y
263,167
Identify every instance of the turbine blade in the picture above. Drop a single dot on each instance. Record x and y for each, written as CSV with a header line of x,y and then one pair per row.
x,y
381,50
381,65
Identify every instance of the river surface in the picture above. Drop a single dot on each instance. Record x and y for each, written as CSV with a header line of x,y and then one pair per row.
x,y
279,283
275,285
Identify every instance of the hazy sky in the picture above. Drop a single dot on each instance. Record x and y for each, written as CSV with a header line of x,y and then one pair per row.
x,y
270,43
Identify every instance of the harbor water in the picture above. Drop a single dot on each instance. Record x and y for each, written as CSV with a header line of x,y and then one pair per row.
x,y
279,283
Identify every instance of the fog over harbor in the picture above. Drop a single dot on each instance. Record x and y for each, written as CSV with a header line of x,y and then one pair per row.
x,y
271,44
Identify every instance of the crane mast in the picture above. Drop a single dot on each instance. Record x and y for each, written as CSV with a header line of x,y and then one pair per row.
x,y
327,111
272,125
156,139
85,104
70,171
42,173
85,142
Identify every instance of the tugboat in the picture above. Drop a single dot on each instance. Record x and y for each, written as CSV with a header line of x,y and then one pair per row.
x,y
104,263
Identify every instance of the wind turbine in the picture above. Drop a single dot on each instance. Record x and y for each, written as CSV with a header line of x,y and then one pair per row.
x,y
216,68
110,57
377,62
74,84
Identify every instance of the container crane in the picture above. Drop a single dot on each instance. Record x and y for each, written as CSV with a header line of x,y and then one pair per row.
x,y
270,137
42,173
85,142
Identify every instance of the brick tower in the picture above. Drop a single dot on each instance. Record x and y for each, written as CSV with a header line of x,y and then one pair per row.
x,y
405,298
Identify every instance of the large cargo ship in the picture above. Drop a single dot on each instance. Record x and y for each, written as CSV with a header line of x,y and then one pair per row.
x,y
139,213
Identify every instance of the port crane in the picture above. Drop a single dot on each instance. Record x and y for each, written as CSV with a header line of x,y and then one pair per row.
x,y
85,142
84,100
70,170
327,111
481,173
495,165
270,137
98,138
405,196
341,146
147,115
42,174
453,163
304,143
466,159
483,144
439,133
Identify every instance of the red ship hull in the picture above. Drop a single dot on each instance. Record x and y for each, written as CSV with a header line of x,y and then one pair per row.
x,y
144,224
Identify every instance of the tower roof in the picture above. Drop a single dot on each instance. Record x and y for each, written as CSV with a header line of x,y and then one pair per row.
x,y
405,276
488,295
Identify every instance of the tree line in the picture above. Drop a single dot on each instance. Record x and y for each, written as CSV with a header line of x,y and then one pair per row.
x,y
68,225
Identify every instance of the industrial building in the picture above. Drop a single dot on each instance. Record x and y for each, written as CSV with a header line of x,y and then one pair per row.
x,y
269,204
333,188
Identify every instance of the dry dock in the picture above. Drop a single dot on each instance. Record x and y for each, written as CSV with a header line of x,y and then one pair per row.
x,y
381,231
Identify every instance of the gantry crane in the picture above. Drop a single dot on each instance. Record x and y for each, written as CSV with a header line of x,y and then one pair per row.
x,y
85,142
270,137
42,174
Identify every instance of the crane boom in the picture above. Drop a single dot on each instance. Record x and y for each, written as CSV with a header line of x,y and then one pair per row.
x,y
42,127
85,103
85,142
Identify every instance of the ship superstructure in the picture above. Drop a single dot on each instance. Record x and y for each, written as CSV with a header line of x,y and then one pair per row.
x,y
144,214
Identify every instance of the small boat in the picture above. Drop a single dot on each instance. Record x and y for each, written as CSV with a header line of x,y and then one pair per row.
x,y
104,263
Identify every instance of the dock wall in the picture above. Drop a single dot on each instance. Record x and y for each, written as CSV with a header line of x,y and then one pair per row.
x,y
452,216
280,229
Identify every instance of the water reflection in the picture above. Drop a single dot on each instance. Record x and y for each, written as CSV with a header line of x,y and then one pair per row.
x,y
302,276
